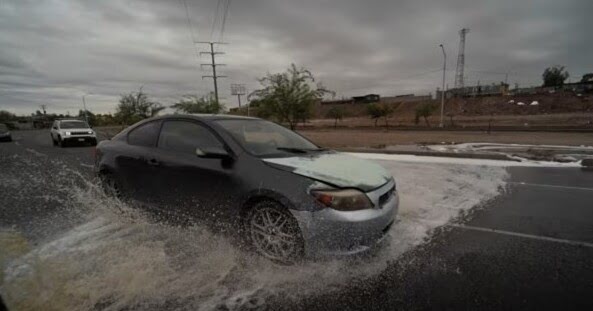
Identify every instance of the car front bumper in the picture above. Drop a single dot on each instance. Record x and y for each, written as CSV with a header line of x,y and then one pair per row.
x,y
333,233
79,139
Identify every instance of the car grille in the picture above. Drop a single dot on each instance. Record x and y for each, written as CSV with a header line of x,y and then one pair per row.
x,y
386,196
80,133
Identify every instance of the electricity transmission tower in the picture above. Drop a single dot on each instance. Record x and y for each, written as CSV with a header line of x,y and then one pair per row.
x,y
460,59
213,64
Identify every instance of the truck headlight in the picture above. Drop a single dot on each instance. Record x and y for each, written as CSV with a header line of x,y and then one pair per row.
x,y
343,200
68,133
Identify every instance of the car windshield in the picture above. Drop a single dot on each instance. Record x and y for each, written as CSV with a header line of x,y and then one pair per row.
x,y
73,125
266,139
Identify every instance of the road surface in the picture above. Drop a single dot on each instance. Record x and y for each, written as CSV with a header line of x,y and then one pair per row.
x,y
530,248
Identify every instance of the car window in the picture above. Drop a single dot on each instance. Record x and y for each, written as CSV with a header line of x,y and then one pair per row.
x,y
264,138
144,135
185,136
73,124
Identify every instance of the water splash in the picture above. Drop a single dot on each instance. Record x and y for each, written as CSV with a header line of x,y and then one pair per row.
x,y
96,252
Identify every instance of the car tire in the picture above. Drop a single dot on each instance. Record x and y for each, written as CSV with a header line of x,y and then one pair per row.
x,y
94,142
272,231
61,143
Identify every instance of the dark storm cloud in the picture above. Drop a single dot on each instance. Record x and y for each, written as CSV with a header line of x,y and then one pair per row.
x,y
54,51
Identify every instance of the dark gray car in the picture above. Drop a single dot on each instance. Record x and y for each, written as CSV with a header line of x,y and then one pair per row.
x,y
285,195
5,133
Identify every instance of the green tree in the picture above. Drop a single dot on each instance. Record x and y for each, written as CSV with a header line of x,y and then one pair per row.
x,y
289,96
588,77
136,106
377,111
91,116
195,104
6,116
336,113
424,111
555,76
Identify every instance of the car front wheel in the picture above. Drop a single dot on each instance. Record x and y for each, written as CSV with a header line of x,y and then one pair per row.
x,y
61,143
273,232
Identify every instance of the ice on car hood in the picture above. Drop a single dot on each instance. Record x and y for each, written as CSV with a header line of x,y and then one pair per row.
x,y
338,169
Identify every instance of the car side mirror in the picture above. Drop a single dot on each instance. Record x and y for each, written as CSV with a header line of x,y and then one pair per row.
x,y
212,153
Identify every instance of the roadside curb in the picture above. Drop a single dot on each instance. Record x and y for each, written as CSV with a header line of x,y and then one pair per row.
x,y
500,157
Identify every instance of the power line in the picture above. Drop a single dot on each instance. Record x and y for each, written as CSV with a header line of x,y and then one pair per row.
x,y
191,29
224,18
215,19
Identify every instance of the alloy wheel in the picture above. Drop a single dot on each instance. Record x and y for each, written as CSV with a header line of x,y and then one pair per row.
x,y
274,233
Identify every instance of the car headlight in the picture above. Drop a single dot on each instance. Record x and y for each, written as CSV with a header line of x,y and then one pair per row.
x,y
90,132
343,200
68,133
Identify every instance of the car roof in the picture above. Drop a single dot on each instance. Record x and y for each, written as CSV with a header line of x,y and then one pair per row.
x,y
208,117
68,120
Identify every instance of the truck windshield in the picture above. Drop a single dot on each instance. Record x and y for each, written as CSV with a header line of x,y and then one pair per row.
x,y
73,125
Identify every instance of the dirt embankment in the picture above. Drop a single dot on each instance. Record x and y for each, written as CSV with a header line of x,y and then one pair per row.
x,y
561,109
342,138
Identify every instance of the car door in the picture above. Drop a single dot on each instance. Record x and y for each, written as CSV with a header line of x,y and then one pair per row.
x,y
190,185
135,162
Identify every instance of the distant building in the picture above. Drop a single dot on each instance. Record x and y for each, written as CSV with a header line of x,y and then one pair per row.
x,y
338,102
407,98
366,99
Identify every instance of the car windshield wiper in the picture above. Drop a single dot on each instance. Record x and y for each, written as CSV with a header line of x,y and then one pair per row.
x,y
300,150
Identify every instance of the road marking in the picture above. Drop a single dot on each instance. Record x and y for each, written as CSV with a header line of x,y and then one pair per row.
x,y
87,165
549,186
524,235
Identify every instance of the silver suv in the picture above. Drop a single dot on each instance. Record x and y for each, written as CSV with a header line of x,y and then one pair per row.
x,y
65,132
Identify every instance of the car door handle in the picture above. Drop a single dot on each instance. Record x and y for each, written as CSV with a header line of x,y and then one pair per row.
x,y
153,162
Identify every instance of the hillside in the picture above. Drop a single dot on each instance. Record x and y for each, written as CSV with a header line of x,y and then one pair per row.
x,y
558,109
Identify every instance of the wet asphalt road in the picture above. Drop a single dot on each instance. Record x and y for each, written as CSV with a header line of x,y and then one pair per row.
x,y
539,255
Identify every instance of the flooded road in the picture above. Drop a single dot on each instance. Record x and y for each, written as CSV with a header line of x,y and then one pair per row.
x,y
67,246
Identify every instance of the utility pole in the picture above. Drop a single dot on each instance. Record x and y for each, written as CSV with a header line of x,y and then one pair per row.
x,y
86,117
443,88
213,64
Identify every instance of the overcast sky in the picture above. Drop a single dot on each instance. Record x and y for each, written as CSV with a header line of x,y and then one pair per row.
x,y
54,51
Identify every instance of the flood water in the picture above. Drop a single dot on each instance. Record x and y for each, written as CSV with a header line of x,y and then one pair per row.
x,y
67,246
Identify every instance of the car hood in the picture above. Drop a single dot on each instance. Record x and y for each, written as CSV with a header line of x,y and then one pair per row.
x,y
76,130
337,169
